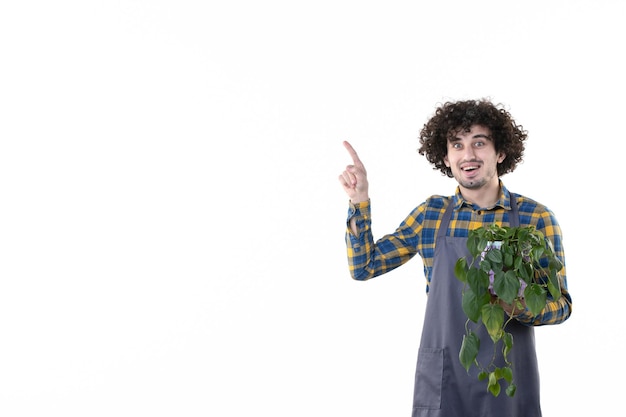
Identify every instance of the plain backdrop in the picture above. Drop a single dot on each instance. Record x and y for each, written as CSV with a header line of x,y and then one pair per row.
x,y
172,226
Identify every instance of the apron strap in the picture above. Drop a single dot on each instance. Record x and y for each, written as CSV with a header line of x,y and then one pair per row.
x,y
443,226
514,217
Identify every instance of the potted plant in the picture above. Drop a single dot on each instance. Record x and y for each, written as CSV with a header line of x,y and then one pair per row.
x,y
508,264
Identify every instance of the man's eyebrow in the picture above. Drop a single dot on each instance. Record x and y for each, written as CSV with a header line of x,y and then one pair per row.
x,y
481,135
453,138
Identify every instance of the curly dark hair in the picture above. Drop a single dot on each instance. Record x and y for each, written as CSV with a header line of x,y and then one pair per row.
x,y
451,117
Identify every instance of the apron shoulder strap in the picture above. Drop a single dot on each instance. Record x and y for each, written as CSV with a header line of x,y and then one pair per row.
x,y
445,220
514,215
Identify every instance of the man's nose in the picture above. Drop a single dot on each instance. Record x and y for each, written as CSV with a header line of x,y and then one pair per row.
x,y
469,153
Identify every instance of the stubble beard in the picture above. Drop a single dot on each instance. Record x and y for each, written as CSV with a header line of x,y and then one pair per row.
x,y
473,184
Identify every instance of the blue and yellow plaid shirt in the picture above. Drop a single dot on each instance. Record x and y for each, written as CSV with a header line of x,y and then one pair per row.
x,y
416,235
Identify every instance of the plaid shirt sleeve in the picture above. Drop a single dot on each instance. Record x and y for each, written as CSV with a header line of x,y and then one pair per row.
x,y
368,260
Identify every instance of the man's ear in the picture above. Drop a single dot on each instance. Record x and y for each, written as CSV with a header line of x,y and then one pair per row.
x,y
445,161
501,157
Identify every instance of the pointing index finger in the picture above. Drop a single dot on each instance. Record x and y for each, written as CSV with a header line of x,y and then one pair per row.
x,y
353,154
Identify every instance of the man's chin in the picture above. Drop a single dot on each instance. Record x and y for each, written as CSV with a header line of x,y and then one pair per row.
x,y
471,184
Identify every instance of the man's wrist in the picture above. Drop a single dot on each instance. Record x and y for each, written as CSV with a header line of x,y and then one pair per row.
x,y
359,199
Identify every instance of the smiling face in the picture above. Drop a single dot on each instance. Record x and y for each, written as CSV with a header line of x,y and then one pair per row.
x,y
473,159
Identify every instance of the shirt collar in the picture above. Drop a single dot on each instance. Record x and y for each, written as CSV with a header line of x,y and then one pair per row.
x,y
504,201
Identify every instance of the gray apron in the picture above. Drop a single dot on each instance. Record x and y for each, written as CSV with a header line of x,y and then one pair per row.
x,y
443,388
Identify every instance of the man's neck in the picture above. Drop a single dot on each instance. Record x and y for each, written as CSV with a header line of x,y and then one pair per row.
x,y
484,197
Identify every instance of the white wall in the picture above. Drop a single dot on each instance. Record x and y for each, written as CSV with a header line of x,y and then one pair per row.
x,y
171,221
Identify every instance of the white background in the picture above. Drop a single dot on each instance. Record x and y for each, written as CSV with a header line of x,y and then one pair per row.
x,y
171,223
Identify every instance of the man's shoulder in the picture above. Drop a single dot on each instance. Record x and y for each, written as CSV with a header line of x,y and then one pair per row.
x,y
437,201
528,204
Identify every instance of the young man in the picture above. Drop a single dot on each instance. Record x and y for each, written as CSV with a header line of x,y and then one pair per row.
x,y
476,143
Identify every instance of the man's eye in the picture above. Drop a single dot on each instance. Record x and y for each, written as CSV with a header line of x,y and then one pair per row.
x,y
479,144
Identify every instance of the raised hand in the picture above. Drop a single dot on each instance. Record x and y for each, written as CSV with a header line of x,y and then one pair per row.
x,y
354,178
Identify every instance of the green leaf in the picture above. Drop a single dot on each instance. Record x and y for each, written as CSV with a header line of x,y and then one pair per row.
x,y
555,263
510,390
472,245
525,271
493,319
537,252
493,385
477,280
460,269
535,297
494,256
554,286
523,234
507,339
508,257
472,305
506,284
469,350
507,374
482,243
